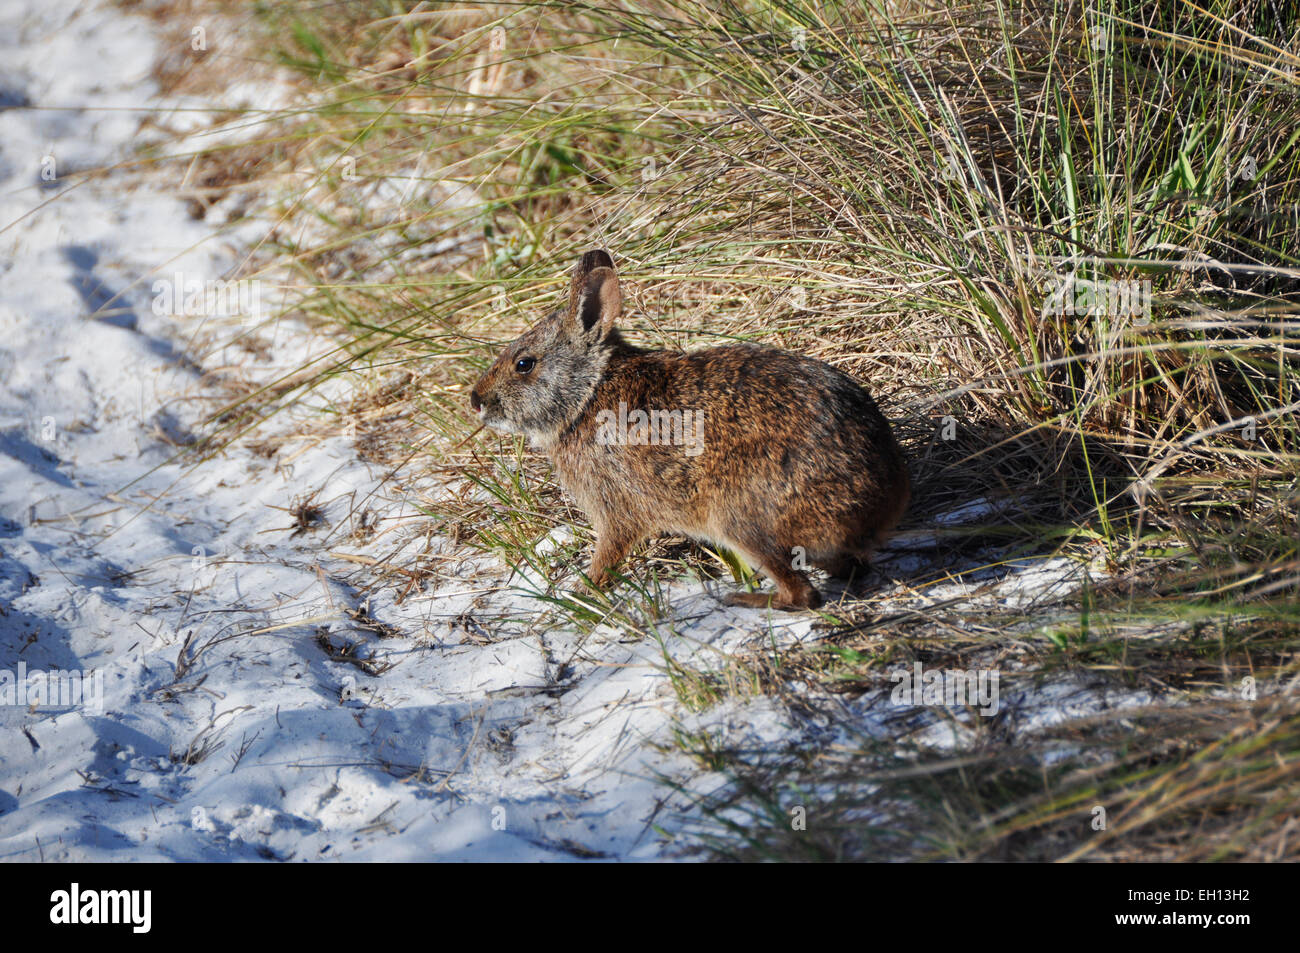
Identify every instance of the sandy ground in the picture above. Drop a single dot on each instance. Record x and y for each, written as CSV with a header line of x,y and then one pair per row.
x,y
224,730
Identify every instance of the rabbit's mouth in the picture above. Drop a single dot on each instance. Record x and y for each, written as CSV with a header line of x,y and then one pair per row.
x,y
491,417
497,423
488,411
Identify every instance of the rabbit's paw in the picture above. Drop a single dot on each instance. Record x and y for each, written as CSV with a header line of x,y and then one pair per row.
x,y
812,599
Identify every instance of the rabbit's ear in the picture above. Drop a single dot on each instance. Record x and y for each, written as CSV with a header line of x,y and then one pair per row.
x,y
595,299
596,258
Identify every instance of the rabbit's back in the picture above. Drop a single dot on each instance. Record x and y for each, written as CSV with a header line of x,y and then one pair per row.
x,y
767,438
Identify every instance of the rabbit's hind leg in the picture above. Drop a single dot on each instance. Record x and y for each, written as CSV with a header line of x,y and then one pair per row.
x,y
793,590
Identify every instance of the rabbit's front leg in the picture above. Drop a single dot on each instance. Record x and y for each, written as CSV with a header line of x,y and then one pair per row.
x,y
611,546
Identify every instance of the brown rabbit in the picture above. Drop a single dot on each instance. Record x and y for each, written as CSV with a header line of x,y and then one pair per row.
x,y
782,458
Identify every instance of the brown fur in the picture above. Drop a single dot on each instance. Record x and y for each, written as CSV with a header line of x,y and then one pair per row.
x,y
795,453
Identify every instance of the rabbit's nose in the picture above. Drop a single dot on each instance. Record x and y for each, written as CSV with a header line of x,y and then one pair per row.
x,y
474,400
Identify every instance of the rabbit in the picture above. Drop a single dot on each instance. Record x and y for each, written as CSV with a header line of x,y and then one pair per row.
x,y
780,457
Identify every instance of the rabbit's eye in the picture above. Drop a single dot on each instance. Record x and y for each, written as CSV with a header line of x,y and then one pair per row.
x,y
524,364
